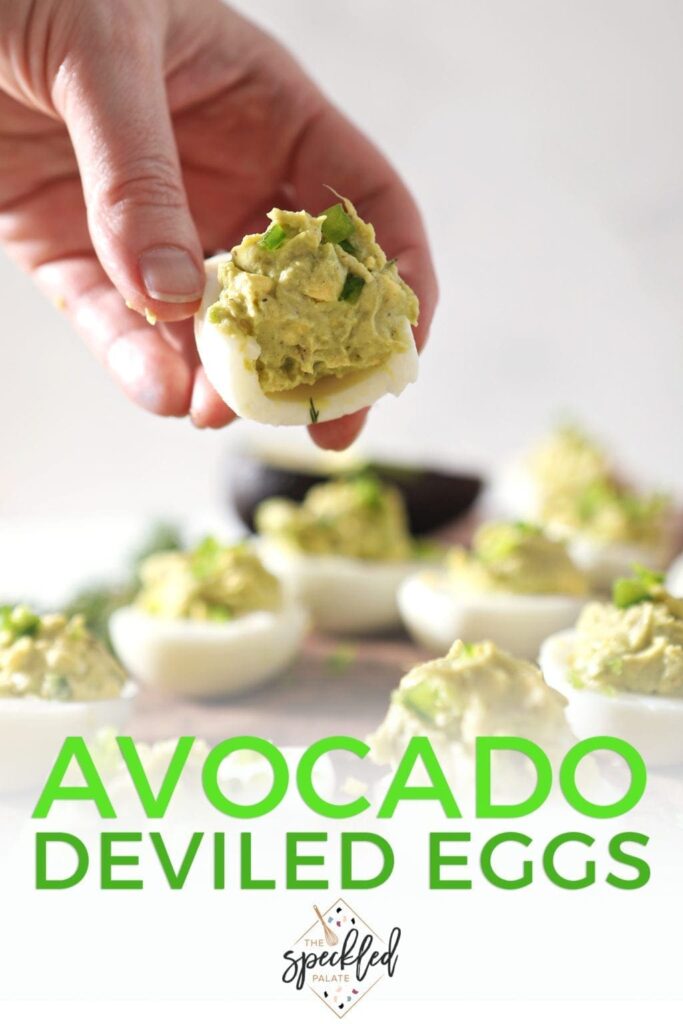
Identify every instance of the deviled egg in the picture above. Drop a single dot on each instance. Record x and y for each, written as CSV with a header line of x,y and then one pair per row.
x,y
559,467
475,690
56,680
208,621
568,484
621,668
515,586
609,527
343,552
308,321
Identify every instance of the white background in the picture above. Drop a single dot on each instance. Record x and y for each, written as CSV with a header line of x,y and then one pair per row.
x,y
544,143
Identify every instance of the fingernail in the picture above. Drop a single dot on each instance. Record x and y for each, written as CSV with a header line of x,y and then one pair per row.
x,y
171,275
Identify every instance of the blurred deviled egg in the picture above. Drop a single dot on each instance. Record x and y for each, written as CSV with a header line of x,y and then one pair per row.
x,y
475,690
208,621
556,469
621,668
56,680
569,484
343,552
308,321
515,587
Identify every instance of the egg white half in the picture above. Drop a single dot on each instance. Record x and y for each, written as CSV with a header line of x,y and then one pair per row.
x,y
435,616
32,731
675,577
229,359
651,723
206,659
352,596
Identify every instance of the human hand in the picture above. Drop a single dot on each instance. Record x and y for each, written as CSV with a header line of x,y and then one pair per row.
x,y
134,139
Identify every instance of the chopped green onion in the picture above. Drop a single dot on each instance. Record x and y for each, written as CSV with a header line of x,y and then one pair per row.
x,y
650,577
274,237
642,587
337,226
353,286
626,593
218,613
204,558
18,621
576,680
369,490
341,658
314,413
347,247
469,649
527,529
424,699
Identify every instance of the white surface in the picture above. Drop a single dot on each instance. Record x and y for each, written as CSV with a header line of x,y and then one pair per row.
x,y
543,141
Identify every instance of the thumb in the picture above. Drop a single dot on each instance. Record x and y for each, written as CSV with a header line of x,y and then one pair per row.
x,y
112,96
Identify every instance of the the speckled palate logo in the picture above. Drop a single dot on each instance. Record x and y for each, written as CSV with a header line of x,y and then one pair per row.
x,y
340,958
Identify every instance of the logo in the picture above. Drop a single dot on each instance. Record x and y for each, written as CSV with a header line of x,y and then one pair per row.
x,y
340,958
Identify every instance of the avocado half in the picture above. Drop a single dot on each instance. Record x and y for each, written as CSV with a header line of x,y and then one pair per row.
x,y
433,497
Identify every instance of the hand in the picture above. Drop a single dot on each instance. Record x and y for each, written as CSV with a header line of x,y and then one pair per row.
x,y
139,136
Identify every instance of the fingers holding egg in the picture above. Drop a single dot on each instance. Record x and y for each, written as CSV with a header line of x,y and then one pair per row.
x,y
308,322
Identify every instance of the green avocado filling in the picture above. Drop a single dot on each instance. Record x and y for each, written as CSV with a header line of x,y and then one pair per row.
x,y
579,492
476,690
358,517
515,558
54,657
634,643
212,582
318,295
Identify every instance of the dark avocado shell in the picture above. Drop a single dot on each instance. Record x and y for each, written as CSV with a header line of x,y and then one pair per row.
x,y
433,497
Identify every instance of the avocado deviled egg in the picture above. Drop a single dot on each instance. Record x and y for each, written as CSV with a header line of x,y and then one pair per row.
x,y
556,469
56,680
515,587
621,668
609,527
476,690
207,622
569,485
308,321
343,552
